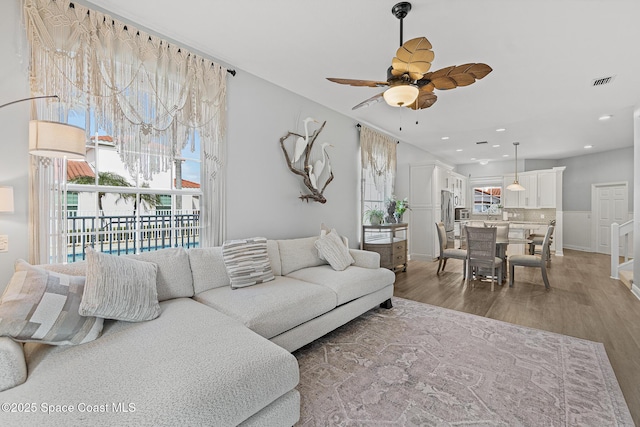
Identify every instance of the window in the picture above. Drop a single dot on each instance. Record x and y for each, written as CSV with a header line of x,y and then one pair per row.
x,y
119,212
373,197
487,199
155,160
378,161
72,203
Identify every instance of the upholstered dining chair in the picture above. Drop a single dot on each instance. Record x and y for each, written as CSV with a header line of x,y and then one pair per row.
x,y
481,252
446,253
533,260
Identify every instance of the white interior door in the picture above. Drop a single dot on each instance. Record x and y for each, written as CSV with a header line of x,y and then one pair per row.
x,y
611,206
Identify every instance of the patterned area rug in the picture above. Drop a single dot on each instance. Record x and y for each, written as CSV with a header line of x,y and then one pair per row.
x,y
420,365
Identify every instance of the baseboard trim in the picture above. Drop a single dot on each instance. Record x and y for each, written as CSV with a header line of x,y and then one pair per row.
x,y
578,248
636,291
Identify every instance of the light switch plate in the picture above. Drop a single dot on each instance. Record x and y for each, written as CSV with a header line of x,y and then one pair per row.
x,y
4,243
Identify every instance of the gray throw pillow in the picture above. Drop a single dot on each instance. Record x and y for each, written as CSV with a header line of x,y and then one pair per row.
x,y
120,288
247,262
331,247
42,306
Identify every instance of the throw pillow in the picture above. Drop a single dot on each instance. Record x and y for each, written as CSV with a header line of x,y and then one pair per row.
x,y
42,306
247,262
120,288
331,247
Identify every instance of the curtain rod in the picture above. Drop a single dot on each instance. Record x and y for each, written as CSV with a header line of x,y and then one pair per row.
x,y
359,126
230,71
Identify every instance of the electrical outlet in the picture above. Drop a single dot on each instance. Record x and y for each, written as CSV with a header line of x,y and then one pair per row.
x,y
4,243
541,216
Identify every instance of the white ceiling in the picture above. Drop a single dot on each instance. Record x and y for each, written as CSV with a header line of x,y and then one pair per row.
x,y
544,55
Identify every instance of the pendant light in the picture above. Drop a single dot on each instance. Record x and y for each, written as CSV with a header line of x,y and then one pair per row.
x,y
515,186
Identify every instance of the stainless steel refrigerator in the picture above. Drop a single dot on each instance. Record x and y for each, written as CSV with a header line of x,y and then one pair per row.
x,y
447,215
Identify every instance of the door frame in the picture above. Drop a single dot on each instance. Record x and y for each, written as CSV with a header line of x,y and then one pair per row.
x,y
595,208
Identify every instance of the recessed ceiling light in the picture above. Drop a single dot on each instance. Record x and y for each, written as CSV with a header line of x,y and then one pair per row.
x,y
445,137
459,149
605,117
496,145
500,130
588,146
484,162
505,155
473,158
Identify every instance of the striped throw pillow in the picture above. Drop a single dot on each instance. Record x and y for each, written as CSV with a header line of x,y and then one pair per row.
x,y
42,306
247,262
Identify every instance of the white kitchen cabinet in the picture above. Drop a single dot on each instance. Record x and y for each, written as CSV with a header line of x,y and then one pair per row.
x,y
426,181
510,199
547,189
528,198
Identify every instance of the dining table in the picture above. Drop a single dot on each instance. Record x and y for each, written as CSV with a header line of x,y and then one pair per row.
x,y
502,245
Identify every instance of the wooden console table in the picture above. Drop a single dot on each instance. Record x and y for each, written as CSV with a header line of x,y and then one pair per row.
x,y
390,241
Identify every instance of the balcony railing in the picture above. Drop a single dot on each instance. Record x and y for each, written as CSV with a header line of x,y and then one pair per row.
x,y
119,235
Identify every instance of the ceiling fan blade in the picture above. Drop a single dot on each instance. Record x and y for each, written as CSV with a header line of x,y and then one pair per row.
x,y
413,58
354,82
454,76
367,102
425,99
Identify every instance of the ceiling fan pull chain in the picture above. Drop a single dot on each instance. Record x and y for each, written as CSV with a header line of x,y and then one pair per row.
x,y
400,109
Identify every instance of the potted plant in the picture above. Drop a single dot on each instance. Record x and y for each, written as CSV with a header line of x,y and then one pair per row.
x,y
401,208
374,216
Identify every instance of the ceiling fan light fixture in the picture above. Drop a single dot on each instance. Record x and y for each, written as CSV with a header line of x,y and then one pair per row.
x,y
401,95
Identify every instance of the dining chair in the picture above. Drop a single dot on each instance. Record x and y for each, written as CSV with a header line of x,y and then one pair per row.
x,y
537,239
533,260
446,253
481,252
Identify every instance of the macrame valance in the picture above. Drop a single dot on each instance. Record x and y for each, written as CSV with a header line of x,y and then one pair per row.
x,y
150,96
378,153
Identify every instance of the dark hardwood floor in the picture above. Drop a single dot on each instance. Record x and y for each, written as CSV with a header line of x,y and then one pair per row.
x,y
583,302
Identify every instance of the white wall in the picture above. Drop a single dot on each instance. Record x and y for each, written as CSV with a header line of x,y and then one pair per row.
x,y
262,193
596,168
14,160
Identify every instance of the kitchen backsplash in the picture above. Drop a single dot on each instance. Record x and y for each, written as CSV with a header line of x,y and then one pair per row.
x,y
533,215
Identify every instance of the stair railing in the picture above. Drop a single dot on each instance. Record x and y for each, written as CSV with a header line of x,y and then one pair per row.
x,y
621,232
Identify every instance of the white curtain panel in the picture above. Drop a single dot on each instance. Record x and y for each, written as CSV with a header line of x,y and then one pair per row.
x,y
153,97
378,153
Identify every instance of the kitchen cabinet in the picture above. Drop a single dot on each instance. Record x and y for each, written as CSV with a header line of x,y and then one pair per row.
x,y
510,199
426,182
547,189
539,190
528,198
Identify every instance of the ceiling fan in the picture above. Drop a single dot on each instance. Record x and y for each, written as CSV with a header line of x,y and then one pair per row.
x,y
409,80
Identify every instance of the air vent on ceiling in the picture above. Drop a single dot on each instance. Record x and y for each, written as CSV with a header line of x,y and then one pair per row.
x,y
602,81
481,142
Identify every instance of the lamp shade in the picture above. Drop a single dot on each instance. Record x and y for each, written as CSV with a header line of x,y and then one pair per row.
x,y
401,95
53,139
6,199
515,186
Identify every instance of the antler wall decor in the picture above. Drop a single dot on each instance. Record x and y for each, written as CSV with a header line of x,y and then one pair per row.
x,y
311,173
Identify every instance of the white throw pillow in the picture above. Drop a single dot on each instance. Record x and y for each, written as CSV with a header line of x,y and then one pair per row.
x,y
42,306
331,248
120,288
247,262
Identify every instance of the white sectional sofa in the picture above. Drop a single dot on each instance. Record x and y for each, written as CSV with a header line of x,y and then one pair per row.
x,y
215,356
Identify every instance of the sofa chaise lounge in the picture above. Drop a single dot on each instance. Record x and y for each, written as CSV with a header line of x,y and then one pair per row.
x,y
215,356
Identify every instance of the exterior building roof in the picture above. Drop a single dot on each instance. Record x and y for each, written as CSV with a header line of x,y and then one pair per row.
x,y
76,169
